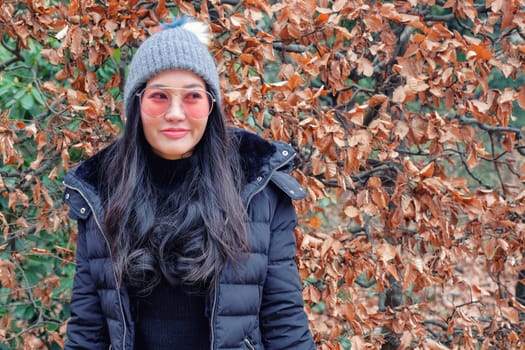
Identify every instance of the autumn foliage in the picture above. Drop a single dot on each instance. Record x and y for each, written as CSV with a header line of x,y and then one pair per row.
x,y
408,118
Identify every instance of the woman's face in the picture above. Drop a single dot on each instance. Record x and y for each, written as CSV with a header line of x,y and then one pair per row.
x,y
174,112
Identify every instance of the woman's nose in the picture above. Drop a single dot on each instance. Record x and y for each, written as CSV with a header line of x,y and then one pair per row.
x,y
175,110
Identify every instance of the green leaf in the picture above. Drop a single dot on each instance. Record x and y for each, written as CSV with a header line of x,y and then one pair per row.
x,y
38,97
345,343
27,101
29,312
52,327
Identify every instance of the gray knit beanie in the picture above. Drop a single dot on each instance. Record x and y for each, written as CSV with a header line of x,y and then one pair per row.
x,y
174,47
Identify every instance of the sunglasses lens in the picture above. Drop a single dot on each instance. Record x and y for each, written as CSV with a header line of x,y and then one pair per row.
x,y
196,103
155,102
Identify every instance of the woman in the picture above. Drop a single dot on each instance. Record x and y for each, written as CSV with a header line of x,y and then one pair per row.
x,y
185,226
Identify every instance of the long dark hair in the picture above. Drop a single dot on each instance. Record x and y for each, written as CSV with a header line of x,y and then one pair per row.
x,y
198,234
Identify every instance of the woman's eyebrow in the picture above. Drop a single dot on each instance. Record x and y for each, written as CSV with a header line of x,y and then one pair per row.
x,y
189,86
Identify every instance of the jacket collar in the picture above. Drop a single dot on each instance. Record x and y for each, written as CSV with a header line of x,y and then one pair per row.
x,y
257,155
260,160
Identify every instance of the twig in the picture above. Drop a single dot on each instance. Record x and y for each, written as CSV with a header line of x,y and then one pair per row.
x,y
467,169
461,305
496,167
381,168
28,290
236,5
442,325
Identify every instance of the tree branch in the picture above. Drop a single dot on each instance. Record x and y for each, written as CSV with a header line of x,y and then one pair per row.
x,y
290,48
486,127
16,52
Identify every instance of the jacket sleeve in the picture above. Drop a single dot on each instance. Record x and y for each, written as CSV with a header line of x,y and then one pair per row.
x,y
284,324
87,327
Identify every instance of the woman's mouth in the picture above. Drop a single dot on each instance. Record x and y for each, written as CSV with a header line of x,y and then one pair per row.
x,y
174,133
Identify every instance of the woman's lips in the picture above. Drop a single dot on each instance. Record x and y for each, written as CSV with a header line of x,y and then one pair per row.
x,y
174,133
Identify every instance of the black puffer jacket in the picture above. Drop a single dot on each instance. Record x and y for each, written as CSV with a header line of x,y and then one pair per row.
x,y
259,308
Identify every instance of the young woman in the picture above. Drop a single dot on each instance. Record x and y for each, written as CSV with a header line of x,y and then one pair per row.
x,y
185,226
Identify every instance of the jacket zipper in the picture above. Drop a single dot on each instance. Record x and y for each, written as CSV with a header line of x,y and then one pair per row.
x,y
263,185
212,318
248,200
111,257
249,344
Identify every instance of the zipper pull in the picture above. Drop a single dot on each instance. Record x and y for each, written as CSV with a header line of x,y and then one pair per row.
x,y
249,344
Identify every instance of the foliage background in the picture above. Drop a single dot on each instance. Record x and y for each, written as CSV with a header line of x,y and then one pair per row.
x,y
408,118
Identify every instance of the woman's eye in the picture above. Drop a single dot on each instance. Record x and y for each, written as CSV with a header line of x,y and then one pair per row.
x,y
193,96
156,95
160,96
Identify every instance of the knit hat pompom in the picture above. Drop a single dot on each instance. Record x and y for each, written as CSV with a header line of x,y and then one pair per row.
x,y
182,44
201,30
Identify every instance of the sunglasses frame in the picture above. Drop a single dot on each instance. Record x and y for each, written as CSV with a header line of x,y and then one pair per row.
x,y
211,99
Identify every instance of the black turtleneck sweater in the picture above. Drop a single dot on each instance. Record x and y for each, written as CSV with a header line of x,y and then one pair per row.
x,y
170,317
